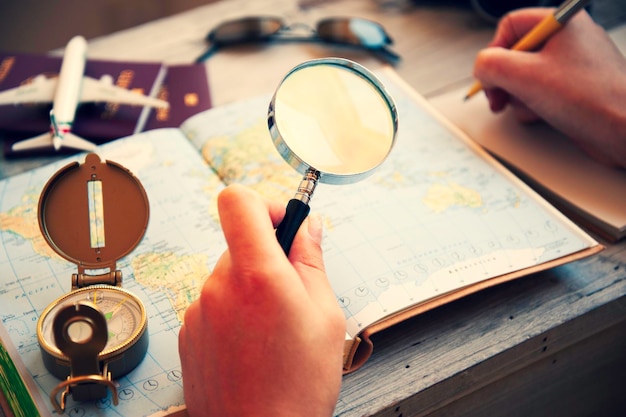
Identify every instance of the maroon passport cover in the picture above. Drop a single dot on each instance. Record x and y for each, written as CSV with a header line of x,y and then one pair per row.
x,y
97,122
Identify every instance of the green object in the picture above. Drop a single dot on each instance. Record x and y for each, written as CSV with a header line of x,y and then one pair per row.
x,y
14,389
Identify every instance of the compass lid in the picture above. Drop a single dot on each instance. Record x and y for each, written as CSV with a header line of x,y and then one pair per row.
x,y
93,214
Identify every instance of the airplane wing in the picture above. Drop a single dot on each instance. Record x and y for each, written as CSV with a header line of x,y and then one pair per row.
x,y
47,140
103,90
40,90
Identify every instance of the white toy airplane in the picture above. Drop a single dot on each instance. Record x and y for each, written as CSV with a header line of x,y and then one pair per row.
x,y
65,92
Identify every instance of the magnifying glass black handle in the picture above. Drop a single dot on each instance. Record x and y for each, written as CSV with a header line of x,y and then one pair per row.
x,y
288,227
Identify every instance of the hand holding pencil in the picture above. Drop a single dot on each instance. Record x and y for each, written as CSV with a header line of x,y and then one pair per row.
x,y
542,32
576,81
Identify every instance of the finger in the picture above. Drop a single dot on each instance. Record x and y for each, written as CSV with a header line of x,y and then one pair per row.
x,y
514,25
498,99
307,258
247,223
306,247
276,210
512,71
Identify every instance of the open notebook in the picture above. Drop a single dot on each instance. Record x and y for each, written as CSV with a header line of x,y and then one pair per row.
x,y
590,193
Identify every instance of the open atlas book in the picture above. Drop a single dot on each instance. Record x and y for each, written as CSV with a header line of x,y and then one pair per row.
x,y
439,219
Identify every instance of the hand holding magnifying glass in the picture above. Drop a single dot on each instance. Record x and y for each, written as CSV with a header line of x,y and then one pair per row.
x,y
333,121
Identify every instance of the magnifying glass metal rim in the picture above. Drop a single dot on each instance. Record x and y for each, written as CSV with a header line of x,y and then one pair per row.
x,y
298,163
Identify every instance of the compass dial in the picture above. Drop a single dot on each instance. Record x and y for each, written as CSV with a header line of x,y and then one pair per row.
x,y
125,318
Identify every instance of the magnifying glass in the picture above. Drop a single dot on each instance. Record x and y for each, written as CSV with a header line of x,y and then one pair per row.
x,y
332,120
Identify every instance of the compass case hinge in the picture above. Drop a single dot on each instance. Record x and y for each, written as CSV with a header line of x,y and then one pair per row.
x,y
82,280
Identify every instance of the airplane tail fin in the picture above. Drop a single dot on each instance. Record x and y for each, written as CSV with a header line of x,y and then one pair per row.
x,y
71,140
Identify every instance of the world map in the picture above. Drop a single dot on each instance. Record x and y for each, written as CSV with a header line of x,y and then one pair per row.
x,y
438,215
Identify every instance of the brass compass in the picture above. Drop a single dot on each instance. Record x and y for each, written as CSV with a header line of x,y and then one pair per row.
x,y
93,214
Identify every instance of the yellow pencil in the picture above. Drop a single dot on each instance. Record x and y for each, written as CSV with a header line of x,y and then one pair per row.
x,y
540,33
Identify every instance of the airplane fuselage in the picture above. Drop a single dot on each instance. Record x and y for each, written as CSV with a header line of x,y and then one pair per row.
x,y
67,94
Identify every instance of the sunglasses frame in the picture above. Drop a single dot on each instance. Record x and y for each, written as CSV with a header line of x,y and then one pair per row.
x,y
253,32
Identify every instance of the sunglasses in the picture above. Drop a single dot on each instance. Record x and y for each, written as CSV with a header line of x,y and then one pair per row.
x,y
350,31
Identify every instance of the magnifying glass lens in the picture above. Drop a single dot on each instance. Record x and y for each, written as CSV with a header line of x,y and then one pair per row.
x,y
333,121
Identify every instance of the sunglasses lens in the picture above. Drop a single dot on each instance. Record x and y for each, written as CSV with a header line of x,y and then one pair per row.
x,y
353,31
244,30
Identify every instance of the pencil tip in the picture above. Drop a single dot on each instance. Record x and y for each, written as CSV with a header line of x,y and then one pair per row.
x,y
473,90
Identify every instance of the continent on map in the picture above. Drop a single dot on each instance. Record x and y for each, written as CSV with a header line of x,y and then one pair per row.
x,y
22,221
248,157
179,276
441,197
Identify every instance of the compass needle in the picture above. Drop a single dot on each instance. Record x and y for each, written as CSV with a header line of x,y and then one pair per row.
x,y
113,311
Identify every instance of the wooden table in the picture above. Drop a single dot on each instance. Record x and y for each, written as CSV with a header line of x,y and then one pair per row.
x,y
550,344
